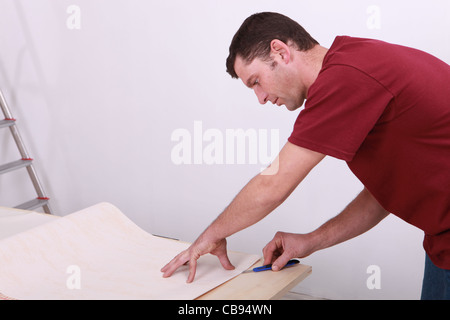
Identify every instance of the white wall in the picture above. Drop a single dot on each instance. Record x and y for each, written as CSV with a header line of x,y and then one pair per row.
x,y
100,107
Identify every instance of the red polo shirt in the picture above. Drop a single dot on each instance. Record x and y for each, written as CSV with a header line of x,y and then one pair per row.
x,y
385,110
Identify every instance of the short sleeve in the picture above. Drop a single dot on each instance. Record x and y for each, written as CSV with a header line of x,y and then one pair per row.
x,y
342,107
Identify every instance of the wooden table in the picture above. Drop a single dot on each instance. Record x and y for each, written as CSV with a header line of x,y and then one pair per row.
x,y
266,285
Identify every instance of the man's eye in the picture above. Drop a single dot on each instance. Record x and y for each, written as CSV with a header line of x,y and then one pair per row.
x,y
256,82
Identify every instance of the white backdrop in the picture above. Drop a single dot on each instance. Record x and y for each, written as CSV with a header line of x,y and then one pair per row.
x,y
128,101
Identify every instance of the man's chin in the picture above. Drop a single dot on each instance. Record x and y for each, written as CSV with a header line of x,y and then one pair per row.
x,y
293,107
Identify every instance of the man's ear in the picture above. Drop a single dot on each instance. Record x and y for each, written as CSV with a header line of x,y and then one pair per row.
x,y
280,50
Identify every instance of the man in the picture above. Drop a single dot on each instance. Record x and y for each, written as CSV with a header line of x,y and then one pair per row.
x,y
382,108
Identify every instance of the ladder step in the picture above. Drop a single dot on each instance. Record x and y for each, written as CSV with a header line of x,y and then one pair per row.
x,y
15,165
7,123
32,204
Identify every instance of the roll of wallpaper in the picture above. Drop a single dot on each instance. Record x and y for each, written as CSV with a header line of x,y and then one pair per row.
x,y
98,253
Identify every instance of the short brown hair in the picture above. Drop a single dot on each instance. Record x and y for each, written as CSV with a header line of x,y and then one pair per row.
x,y
256,33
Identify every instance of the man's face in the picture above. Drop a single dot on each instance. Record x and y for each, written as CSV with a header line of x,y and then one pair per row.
x,y
273,81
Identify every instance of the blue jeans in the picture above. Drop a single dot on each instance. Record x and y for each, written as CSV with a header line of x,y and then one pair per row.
x,y
436,282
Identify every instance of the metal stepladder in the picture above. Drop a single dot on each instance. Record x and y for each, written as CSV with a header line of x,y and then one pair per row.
x,y
42,200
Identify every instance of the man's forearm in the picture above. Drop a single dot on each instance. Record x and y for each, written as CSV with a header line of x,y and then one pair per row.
x,y
255,201
264,192
363,213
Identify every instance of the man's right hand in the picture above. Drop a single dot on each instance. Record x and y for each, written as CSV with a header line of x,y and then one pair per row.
x,y
193,253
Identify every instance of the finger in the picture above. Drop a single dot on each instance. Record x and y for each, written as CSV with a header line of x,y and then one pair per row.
x,y
192,269
170,270
167,266
173,265
225,261
171,262
282,260
270,252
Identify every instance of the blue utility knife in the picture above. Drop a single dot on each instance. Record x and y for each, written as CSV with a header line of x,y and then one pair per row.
x,y
269,266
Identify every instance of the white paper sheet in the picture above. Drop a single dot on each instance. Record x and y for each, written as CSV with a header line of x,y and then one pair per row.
x,y
13,221
98,253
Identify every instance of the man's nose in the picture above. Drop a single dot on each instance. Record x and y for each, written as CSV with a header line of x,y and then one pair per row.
x,y
261,95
